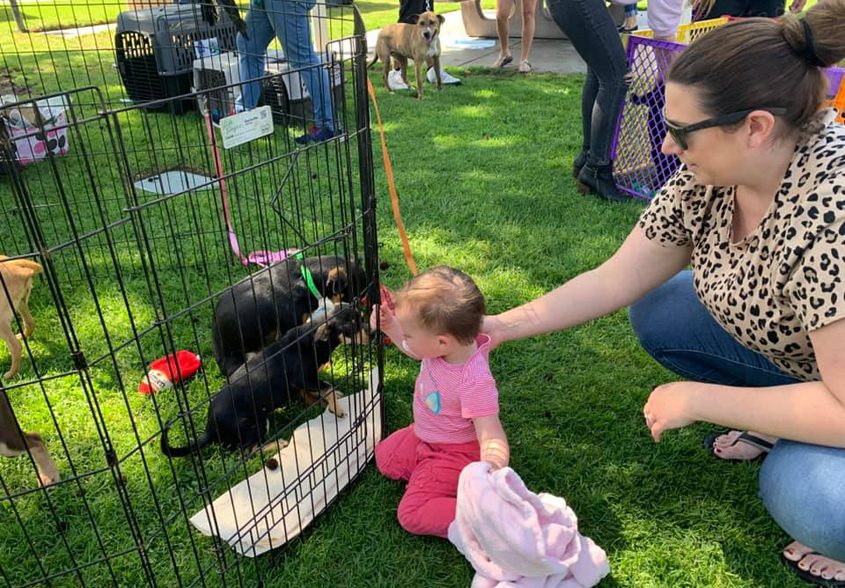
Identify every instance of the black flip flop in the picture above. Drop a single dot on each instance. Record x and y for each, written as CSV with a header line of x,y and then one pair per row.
x,y
745,437
808,577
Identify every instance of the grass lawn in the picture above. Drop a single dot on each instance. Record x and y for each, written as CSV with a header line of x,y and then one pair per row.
x,y
482,172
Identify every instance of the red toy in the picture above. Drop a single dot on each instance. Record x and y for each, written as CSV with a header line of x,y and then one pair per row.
x,y
169,370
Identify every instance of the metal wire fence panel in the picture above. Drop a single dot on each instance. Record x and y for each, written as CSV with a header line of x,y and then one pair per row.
x,y
157,234
640,167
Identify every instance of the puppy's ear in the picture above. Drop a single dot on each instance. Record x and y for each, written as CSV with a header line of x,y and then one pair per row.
x,y
322,332
441,18
416,18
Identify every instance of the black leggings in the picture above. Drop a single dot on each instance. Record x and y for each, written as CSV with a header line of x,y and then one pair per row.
x,y
593,33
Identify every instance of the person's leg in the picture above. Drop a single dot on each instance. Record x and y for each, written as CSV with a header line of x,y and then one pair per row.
x,y
675,328
593,33
529,9
251,55
429,503
630,22
588,102
290,22
702,351
503,14
803,488
396,456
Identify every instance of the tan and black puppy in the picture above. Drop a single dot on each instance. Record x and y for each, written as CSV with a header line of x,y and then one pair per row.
x,y
15,286
420,42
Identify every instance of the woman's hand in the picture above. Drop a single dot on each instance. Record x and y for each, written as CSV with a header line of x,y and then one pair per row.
x,y
492,326
669,407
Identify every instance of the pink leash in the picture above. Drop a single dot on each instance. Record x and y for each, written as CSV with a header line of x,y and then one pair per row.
x,y
261,258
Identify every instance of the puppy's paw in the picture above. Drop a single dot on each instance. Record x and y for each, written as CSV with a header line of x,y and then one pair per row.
x,y
334,405
10,374
49,476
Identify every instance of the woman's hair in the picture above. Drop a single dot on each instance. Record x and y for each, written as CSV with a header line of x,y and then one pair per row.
x,y
445,300
766,63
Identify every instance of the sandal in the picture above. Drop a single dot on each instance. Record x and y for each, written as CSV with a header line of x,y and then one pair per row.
x,y
809,577
503,60
525,67
745,437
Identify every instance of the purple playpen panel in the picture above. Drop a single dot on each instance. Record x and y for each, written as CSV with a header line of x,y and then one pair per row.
x,y
639,166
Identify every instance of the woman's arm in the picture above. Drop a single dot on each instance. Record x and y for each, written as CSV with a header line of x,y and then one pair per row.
x,y
809,412
638,266
493,441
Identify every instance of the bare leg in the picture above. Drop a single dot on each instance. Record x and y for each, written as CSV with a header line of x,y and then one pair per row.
x,y
503,14
529,10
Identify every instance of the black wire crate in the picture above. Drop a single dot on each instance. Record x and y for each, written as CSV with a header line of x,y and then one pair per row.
x,y
167,253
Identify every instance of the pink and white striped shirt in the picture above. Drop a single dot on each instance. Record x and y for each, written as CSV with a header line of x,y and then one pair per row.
x,y
448,396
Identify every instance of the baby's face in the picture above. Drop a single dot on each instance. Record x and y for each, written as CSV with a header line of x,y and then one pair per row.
x,y
418,341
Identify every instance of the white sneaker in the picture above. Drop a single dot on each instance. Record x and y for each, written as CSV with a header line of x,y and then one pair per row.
x,y
445,78
395,81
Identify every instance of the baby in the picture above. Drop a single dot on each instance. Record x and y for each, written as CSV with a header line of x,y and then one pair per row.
x,y
436,319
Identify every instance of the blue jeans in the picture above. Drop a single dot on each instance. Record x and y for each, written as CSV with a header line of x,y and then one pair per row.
x,y
801,485
593,33
287,20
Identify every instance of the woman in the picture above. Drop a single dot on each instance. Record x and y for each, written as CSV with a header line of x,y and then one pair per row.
x,y
757,210
590,28
503,15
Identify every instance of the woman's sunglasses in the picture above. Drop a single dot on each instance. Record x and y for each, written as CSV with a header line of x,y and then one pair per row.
x,y
679,134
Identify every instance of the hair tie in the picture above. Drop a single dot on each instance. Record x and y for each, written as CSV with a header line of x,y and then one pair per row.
x,y
809,53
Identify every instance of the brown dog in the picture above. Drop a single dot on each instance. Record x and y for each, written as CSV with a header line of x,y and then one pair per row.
x,y
14,442
420,42
15,286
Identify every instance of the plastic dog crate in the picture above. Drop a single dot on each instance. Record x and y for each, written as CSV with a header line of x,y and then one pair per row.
x,y
284,91
155,50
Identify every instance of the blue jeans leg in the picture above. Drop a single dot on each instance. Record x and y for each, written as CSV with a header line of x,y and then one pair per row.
x,y
290,21
801,485
803,488
675,328
252,53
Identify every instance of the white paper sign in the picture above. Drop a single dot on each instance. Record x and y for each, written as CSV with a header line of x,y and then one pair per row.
x,y
246,126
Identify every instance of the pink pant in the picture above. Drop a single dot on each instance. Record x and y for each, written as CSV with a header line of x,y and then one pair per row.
x,y
432,471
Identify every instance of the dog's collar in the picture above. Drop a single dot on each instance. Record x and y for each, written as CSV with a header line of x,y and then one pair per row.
x,y
308,276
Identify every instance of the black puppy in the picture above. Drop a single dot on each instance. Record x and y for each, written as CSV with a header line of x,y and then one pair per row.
x,y
238,417
261,308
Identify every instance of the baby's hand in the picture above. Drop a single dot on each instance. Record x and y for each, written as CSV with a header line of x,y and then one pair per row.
x,y
384,311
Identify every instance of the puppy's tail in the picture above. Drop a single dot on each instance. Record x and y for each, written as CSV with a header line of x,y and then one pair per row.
x,y
185,451
373,62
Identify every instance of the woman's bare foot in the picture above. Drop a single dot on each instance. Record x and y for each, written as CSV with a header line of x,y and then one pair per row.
x,y
730,446
819,566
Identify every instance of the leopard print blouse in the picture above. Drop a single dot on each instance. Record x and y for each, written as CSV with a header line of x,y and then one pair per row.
x,y
785,278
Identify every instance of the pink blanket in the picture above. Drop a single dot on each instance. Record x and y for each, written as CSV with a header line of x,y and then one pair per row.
x,y
513,537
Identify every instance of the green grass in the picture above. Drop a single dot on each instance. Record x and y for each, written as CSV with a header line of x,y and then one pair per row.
x,y
482,171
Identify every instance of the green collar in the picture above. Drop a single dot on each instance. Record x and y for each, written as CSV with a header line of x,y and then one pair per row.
x,y
308,276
